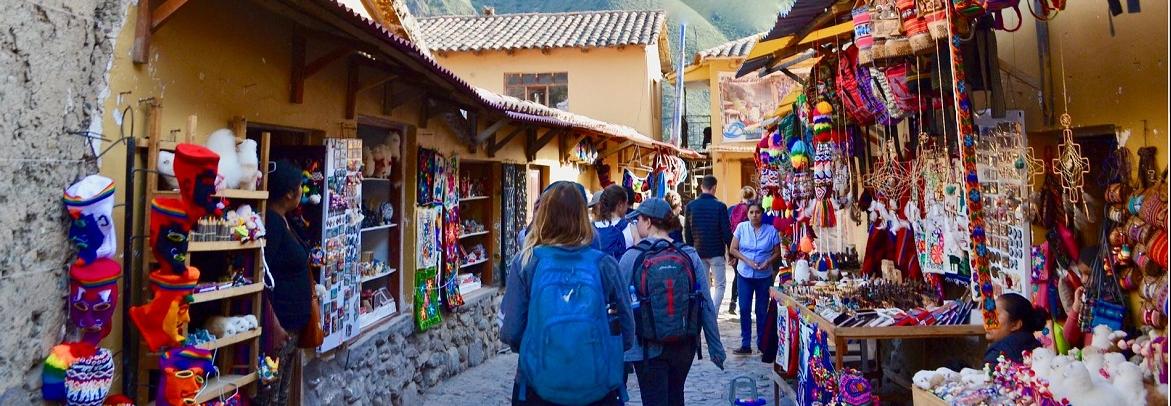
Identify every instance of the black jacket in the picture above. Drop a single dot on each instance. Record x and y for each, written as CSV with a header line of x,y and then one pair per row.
x,y
1011,346
706,226
288,260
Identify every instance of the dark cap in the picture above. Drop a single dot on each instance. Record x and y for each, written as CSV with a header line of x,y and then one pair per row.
x,y
655,208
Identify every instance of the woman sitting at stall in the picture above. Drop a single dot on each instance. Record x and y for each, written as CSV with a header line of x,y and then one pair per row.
x,y
1013,335
755,246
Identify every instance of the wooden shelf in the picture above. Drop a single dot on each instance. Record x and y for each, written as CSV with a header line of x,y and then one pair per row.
x,y
376,315
231,340
376,180
211,246
225,384
473,234
226,293
472,198
474,263
376,276
381,227
226,193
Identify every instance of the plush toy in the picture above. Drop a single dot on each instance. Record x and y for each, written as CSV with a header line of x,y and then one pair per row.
x,y
250,321
249,165
367,162
223,143
268,369
166,167
1080,387
221,326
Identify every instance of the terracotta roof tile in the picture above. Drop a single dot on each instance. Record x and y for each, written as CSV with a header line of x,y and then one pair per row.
x,y
737,48
590,29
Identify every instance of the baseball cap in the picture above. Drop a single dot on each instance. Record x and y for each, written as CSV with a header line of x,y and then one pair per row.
x,y
595,199
580,188
655,208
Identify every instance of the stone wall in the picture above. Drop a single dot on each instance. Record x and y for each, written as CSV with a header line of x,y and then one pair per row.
x,y
54,56
393,364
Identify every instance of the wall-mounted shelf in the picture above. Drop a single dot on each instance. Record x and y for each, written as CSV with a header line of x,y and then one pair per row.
x,y
232,339
472,198
226,193
381,227
470,235
471,264
209,246
226,293
378,275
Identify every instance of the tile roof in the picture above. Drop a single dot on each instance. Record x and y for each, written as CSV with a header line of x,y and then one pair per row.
x,y
588,29
520,110
737,48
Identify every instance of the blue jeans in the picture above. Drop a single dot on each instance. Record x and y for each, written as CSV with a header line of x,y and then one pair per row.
x,y
752,290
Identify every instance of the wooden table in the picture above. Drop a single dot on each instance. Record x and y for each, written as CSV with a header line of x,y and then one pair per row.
x,y
839,335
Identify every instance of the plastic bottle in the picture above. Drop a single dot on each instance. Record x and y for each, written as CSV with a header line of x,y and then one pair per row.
x,y
634,302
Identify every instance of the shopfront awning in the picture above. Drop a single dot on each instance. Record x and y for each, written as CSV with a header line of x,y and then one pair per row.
x,y
811,22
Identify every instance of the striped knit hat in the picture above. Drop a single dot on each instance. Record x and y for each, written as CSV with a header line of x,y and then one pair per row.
x,y
87,382
53,374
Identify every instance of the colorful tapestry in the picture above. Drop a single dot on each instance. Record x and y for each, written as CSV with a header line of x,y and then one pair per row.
x,y
427,307
426,178
451,258
427,236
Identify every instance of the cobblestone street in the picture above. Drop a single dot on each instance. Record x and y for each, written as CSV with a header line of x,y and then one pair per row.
x,y
490,384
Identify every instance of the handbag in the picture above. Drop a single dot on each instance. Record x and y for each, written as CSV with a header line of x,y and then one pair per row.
x,y
1106,313
311,335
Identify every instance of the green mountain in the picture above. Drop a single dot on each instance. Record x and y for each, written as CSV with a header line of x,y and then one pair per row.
x,y
709,22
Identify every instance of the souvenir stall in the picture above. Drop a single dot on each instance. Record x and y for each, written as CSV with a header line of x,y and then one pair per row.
x,y
957,208
381,232
650,173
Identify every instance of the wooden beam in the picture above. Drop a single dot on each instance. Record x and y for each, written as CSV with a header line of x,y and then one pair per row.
x,y
164,12
400,97
321,62
297,70
495,145
492,129
386,93
376,83
424,110
536,143
142,31
473,121
621,147
351,89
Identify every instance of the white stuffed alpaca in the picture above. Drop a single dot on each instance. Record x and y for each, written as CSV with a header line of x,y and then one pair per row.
x,y
1128,379
1080,387
223,142
221,326
249,165
1042,359
239,323
250,320
166,167
394,143
973,376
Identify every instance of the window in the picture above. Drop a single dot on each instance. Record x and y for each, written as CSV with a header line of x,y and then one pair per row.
x,y
550,89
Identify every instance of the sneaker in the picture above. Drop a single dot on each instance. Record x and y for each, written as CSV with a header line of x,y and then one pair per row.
x,y
743,351
732,310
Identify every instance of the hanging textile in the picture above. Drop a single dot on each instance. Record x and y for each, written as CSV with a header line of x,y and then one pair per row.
x,y
514,206
428,226
451,231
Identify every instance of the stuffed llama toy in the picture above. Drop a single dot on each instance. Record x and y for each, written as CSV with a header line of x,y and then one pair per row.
x,y
223,143
249,165
166,167
1080,388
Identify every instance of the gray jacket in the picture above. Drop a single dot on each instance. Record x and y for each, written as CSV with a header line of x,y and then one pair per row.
x,y
707,310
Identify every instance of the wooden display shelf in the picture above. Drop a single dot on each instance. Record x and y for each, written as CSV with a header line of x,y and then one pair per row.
x,y
379,275
217,386
212,246
381,227
472,198
226,193
376,180
471,264
376,315
469,235
231,340
226,293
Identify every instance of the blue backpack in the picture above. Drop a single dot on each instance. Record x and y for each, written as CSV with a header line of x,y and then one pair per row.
x,y
568,353
612,240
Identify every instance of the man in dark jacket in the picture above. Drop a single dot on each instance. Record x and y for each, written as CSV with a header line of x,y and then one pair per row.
x,y
706,228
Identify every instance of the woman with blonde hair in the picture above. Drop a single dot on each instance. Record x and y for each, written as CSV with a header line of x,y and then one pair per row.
x,y
560,292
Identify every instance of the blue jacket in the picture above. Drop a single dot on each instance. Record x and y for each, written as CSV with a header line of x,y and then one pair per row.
x,y
706,226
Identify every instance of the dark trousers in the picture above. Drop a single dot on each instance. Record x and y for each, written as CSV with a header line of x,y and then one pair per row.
x,y
661,378
531,398
277,393
752,291
735,292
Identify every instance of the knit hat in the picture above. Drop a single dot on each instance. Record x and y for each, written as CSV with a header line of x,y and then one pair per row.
x,y
184,371
90,203
53,374
196,169
87,382
160,321
93,298
169,226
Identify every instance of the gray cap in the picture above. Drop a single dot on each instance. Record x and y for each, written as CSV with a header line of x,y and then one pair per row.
x,y
594,200
655,208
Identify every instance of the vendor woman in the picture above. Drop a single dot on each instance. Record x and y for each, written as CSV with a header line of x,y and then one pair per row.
x,y
1013,335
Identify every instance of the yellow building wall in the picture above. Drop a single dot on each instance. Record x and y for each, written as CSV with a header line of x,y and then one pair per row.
x,y
608,84
219,59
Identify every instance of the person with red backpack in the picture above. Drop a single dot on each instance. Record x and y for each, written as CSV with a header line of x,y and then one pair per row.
x,y
671,302
566,310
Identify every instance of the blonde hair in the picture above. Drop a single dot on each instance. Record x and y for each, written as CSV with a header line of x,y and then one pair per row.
x,y
748,193
561,220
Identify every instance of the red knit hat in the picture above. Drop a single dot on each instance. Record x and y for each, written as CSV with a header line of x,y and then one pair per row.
x,y
196,169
